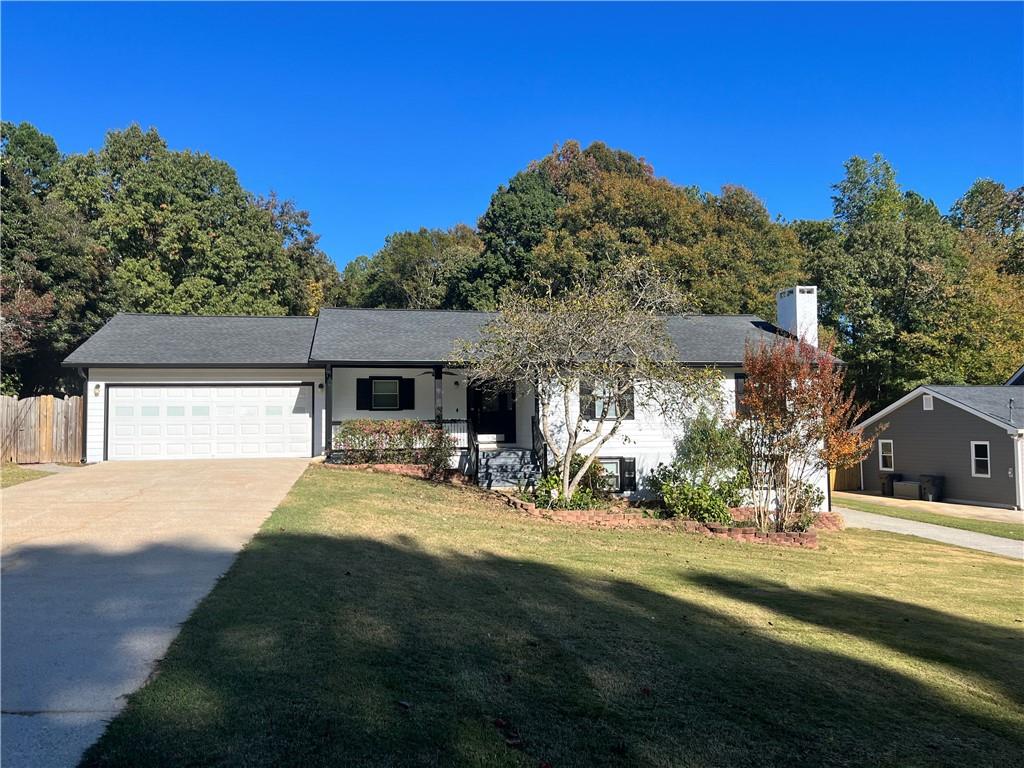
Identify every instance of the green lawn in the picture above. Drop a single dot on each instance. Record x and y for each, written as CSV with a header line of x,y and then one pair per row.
x,y
385,621
991,527
12,474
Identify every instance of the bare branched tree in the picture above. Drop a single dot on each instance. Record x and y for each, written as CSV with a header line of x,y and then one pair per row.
x,y
590,354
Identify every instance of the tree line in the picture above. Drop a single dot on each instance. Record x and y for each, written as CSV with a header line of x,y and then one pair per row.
x,y
908,294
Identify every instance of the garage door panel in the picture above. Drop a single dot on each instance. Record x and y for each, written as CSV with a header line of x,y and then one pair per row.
x,y
185,421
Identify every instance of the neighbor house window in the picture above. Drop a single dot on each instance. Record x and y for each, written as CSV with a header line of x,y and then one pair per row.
x,y
981,463
885,458
928,403
384,394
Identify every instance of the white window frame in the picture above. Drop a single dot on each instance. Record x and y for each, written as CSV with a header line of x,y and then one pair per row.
x,y
928,403
891,454
974,458
600,395
618,472
397,394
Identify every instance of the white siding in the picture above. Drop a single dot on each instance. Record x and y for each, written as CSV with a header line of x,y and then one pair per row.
x,y
651,439
453,394
99,378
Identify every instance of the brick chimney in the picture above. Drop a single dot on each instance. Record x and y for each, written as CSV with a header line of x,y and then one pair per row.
x,y
796,311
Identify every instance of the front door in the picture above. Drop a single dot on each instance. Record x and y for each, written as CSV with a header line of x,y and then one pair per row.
x,y
493,412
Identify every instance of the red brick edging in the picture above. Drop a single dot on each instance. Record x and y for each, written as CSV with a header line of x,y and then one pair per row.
x,y
635,519
631,518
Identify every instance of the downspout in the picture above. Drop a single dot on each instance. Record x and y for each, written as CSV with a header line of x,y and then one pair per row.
x,y
84,373
1018,463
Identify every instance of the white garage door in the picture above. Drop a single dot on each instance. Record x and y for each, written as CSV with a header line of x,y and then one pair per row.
x,y
188,421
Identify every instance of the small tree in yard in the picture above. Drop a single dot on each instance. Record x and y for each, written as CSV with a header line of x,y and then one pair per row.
x,y
795,422
588,353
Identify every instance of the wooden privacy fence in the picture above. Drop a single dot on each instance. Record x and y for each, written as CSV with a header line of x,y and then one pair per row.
x,y
39,430
847,479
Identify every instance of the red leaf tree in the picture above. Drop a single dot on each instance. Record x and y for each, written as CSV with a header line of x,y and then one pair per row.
x,y
795,423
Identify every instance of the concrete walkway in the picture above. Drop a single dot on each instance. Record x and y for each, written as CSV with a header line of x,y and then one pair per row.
x,y
969,539
100,567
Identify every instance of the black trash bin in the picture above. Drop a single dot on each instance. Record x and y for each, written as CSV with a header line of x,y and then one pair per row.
x,y
886,479
931,487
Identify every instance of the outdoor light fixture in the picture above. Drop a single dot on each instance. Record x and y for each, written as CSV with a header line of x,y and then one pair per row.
x,y
96,390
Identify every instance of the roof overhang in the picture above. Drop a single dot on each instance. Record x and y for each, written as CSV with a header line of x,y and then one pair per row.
x,y
924,389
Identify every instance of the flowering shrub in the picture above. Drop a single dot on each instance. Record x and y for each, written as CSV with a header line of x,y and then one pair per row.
x,y
402,441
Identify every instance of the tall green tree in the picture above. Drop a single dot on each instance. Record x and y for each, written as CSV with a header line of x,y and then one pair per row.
x,y
426,269
909,298
139,227
52,284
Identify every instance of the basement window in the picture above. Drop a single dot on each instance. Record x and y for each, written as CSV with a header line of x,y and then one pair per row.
x,y
981,463
928,403
612,474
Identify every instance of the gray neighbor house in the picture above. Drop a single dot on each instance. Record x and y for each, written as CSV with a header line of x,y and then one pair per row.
x,y
971,437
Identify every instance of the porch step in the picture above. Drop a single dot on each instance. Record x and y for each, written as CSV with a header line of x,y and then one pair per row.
x,y
508,468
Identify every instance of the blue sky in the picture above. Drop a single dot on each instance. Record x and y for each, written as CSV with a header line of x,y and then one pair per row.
x,y
389,117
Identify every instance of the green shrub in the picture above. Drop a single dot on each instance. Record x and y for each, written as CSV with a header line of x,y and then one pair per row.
x,y
595,480
400,441
699,502
805,510
710,449
548,494
733,490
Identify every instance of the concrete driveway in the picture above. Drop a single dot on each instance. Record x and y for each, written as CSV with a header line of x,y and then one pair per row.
x,y
100,566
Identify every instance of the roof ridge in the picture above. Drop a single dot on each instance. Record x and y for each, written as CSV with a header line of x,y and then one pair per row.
x,y
213,317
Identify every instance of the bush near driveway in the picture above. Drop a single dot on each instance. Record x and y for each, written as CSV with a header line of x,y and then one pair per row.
x,y
379,620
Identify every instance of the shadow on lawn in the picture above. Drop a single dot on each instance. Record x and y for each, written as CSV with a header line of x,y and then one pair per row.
x,y
316,650
991,654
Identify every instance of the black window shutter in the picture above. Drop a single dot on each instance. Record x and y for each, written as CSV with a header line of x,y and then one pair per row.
x,y
407,394
587,401
364,395
627,403
627,467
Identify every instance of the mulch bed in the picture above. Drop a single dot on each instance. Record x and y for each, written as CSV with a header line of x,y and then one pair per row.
x,y
622,515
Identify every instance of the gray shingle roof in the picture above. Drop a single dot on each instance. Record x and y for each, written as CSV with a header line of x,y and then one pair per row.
x,y
393,335
372,336
718,338
992,401
171,340
422,336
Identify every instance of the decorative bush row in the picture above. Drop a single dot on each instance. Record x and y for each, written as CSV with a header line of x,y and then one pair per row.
x,y
631,518
401,441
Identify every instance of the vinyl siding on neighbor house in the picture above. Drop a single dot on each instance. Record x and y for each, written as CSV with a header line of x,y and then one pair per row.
x,y
938,442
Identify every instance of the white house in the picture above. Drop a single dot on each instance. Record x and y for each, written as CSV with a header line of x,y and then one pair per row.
x,y
178,387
